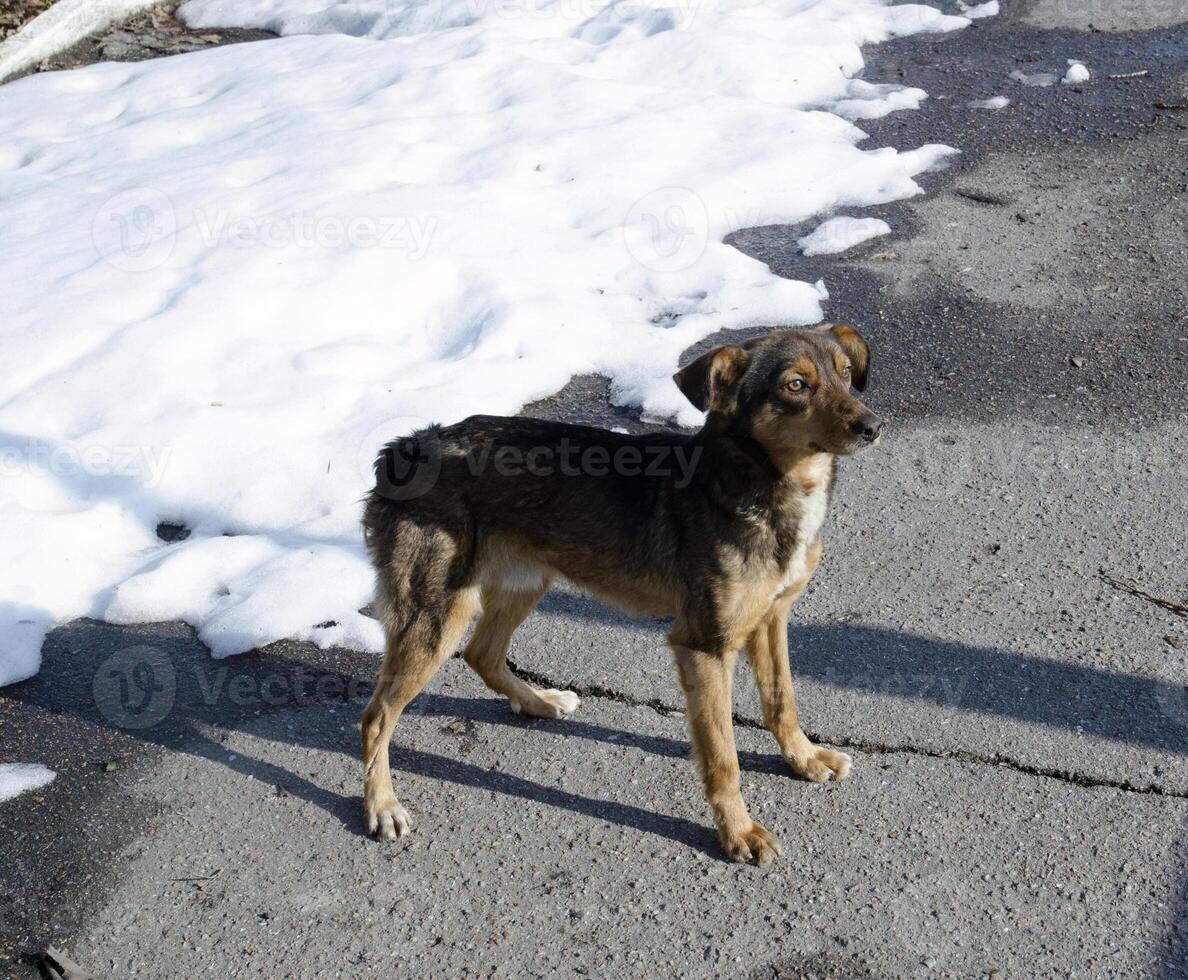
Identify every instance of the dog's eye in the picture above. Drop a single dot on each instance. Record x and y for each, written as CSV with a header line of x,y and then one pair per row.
x,y
796,384
846,372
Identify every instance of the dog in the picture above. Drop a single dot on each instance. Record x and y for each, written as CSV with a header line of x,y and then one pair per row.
x,y
720,531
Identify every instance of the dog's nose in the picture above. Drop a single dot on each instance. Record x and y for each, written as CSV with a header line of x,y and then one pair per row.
x,y
868,427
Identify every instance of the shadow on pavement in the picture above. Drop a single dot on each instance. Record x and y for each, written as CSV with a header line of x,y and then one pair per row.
x,y
1137,710
157,684
125,692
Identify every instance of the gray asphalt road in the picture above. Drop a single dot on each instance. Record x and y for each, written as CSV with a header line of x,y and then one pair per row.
x,y
1019,724
567,848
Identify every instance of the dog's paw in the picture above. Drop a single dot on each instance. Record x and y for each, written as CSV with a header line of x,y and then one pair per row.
x,y
388,822
565,703
755,845
547,704
821,765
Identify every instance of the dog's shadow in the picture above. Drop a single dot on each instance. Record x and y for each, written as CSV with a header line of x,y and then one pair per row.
x,y
207,697
81,658
348,808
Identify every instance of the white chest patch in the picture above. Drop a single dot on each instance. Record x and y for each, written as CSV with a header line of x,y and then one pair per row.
x,y
812,516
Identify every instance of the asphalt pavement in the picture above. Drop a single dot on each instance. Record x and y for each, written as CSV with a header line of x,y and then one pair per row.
x,y
991,636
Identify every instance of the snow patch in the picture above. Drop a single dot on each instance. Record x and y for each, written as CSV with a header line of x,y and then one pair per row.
x,y
1040,79
595,21
1077,72
997,102
865,100
978,11
21,777
232,275
839,234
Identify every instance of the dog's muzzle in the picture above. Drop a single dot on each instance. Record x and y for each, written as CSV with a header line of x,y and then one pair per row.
x,y
867,428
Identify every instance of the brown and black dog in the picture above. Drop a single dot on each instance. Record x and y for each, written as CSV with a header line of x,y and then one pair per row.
x,y
719,530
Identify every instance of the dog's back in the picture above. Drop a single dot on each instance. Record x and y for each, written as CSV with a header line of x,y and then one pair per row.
x,y
520,500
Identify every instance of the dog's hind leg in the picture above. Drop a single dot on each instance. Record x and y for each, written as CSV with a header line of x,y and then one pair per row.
x,y
503,611
417,647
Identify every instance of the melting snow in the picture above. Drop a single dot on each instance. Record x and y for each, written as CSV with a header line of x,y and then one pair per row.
x,y
20,777
978,10
231,275
1040,79
839,234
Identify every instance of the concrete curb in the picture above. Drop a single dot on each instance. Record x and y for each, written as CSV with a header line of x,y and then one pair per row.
x,y
65,23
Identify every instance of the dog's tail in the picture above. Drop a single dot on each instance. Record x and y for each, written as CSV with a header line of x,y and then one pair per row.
x,y
421,561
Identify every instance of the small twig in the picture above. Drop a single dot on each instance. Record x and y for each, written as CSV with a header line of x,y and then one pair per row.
x,y
1131,589
982,197
1178,106
1132,74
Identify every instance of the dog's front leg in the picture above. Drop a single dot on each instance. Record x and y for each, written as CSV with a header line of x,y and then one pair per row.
x,y
767,649
706,680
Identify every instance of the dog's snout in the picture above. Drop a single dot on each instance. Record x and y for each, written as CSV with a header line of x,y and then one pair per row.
x,y
867,427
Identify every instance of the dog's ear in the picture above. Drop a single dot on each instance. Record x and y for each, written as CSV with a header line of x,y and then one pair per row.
x,y
858,351
711,381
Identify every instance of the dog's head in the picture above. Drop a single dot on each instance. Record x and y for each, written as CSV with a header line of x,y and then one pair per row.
x,y
791,391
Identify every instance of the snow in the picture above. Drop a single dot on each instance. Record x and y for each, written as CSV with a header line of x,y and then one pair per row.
x,y
1077,72
979,10
20,777
997,102
231,275
1040,79
864,100
839,234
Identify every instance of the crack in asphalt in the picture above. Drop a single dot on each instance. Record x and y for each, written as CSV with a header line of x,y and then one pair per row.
x,y
861,745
